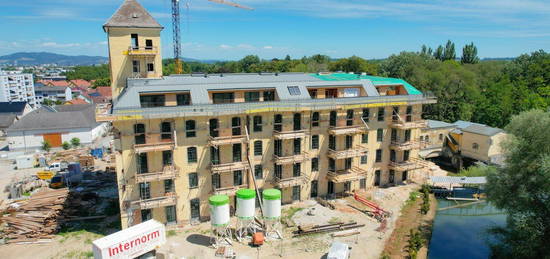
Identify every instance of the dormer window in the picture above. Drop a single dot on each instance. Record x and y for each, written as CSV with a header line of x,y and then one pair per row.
x,y
294,90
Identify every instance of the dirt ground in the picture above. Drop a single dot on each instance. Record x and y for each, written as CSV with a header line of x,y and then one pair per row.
x,y
193,241
411,218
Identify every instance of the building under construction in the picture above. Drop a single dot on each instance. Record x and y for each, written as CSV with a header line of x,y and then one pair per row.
x,y
182,138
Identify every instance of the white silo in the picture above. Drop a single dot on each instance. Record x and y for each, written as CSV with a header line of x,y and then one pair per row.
x,y
219,219
272,213
246,210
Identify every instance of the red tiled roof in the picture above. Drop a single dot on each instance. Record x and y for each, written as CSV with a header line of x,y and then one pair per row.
x,y
104,91
54,83
76,101
81,83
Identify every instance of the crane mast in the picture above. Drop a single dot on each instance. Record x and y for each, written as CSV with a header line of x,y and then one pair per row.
x,y
176,29
176,35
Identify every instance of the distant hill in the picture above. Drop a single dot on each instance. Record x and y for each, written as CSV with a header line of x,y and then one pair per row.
x,y
41,58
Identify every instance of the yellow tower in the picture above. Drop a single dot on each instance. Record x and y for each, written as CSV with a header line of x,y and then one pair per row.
x,y
134,45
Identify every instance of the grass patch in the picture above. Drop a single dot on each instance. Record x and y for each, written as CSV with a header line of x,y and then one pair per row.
x,y
171,233
289,213
78,234
27,194
334,220
77,254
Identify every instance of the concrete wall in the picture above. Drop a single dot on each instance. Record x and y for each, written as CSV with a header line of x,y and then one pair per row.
x,y
488,146
126,160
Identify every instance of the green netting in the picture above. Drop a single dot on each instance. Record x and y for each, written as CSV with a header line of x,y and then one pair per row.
x,y
376,80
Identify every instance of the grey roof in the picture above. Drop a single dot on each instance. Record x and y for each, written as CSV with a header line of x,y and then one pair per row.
x,y
6,120
16,108
458,180
132,15
58,117
198,86
433,124
477,128
50,88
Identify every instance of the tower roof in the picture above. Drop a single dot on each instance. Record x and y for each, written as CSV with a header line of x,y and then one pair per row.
x,y
132,15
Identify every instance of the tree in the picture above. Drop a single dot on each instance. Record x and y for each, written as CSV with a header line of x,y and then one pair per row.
x,y
469,54
249,63
449,53
438,54
75,142
66,145
287,58
522,187
46,146
102,82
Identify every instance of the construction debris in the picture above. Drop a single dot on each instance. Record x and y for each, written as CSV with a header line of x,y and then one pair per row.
x,y
374,210
37,218
325,203
306,230
346,233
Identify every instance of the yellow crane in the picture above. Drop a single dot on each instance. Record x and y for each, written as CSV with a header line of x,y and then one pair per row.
x,y
176,28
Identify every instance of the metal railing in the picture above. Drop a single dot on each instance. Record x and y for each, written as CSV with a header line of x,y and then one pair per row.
x,y
143,50
168,199
355,151
167,172
340,176
228,167
291,159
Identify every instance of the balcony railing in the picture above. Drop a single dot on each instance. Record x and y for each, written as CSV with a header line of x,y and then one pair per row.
x,y
103,112
226,137
342,127
404,145
401,124
142,51
356,151
227,190
167,172
291,159
229,167
289,134
167,200
154,143
286,182
341,176
404,165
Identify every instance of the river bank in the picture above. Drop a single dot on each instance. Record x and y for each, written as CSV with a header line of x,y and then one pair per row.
x,y
411,218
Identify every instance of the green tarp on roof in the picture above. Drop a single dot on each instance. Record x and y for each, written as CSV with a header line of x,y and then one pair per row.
x,y
376,80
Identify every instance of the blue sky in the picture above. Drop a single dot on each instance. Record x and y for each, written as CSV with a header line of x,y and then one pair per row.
x,y
338,28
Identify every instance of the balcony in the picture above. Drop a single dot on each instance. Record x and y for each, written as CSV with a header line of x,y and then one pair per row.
x,y
401,124
289,181
404,165
356,151
288,133
154,143
167,172
167,200
103,112
291,159
229,167
346,175
226,137
143,51
227,190
404,145
342,128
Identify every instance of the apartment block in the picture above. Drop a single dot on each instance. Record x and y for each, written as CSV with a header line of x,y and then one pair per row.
x,y
17,87
181,138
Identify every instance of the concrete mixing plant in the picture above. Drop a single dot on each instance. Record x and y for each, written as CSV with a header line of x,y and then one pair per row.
x,y
246,210
272,213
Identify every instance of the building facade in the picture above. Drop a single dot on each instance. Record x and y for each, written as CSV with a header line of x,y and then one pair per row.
x,y
53,93
180,139
17,87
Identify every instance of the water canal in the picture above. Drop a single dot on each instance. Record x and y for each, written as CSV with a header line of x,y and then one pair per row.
x,y
461,232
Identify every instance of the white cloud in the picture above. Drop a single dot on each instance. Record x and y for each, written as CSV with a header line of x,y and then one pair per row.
x,y
268,47
224,46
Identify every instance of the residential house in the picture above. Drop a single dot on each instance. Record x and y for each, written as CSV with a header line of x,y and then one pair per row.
x,y
53,93
10,112
17,87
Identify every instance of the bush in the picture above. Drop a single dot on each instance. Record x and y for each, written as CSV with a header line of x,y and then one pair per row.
x,y
66,145
75,142
416,241
46,146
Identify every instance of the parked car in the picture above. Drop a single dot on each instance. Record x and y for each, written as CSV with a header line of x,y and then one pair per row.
x,y
57,167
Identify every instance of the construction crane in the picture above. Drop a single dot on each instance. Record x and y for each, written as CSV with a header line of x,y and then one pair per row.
x,y
176,28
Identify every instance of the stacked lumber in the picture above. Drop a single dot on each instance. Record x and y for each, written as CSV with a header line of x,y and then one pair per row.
x,y
36,218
